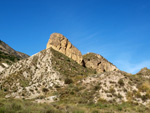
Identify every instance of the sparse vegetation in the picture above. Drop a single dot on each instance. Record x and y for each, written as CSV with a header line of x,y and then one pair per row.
x,y
27,106
68,67
82,91
7,84
68,81
4,57
112,90
45,90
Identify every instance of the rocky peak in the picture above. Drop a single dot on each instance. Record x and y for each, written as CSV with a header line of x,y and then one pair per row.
x,y
60,43
97,62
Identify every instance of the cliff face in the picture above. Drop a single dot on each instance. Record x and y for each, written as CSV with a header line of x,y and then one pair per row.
x,y
61,43
99,63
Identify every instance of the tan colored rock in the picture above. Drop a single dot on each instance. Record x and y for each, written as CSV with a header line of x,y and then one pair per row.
x,y
60,43
99,63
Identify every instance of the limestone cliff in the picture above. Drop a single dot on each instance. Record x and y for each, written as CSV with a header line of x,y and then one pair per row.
x,y
61,43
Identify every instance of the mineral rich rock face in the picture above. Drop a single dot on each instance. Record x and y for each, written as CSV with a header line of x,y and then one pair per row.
x,y
97,62
61,43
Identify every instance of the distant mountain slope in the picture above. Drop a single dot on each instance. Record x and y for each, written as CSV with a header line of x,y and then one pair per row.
x,y
8,55
8,50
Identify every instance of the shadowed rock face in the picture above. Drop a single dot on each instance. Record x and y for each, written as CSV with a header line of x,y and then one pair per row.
x,y
61,43
97,62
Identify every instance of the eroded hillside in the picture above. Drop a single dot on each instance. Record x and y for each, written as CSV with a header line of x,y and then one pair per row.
x,y
8,55
93,86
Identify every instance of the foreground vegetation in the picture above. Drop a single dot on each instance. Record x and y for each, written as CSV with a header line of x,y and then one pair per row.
x,y
24,106
29,106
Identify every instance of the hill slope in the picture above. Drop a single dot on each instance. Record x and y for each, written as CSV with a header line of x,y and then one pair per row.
x,y
40,73
8,55
50,74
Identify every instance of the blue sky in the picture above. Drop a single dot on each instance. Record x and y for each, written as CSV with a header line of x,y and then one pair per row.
x,y
119,30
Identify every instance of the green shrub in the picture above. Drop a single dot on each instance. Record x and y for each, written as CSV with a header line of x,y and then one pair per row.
x,y
68,81
45,90
112,90
121,82
97,87
95,111
16,106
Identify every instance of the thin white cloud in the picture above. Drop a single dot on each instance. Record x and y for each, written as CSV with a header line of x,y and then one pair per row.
x,y
125,62
91,36
88,37
130,67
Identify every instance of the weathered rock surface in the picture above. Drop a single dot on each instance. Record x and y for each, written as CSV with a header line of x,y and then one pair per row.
x,y
61,43
97,62
3,66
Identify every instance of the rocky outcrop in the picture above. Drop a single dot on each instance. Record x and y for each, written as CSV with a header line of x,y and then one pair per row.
x,y
61,43
3,66
97,62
